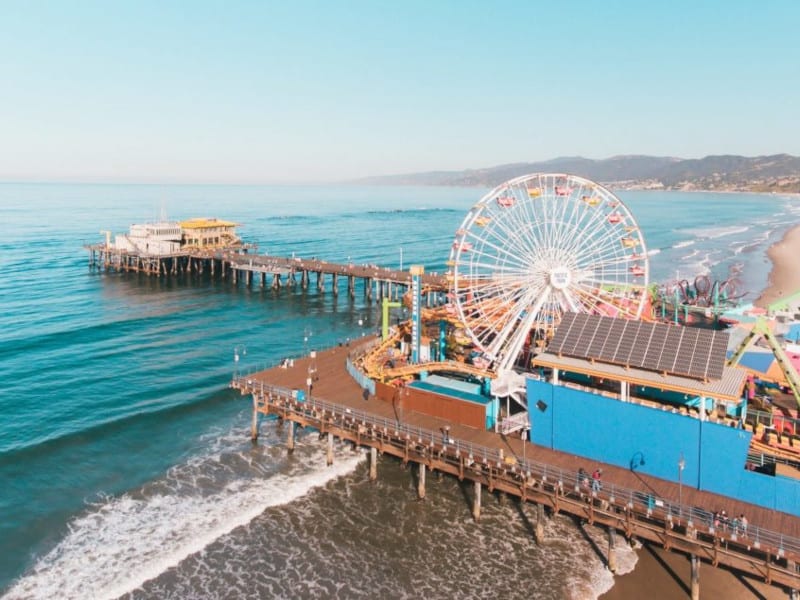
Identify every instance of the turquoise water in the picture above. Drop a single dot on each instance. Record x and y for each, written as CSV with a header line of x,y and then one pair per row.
x,y
121,449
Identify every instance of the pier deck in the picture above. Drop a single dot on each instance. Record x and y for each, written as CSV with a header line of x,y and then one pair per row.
x,y
265,270
632,502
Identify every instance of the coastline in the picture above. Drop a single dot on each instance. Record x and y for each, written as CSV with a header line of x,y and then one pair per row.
x,y
667,575
784,278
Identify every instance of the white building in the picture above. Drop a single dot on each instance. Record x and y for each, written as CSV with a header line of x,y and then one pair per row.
x,y
154,239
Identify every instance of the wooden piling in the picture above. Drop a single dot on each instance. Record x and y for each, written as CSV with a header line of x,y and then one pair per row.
x,y
290,438
695,577
254,427
476,502
612,554
373,463
421,481
329,453
538,533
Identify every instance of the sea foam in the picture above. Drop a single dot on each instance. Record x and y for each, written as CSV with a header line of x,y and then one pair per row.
x,y
124,541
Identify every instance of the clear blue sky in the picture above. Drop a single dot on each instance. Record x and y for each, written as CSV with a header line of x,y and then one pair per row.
x,y
295,91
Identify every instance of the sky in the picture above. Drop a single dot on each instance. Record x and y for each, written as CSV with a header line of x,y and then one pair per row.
x,y
312,92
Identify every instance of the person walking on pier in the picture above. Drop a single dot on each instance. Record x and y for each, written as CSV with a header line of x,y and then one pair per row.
x,y
596,482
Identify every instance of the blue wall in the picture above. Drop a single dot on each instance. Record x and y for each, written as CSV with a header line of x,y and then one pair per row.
x,y
653,441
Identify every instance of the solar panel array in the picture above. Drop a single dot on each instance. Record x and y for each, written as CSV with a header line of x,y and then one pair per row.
x,y
660,347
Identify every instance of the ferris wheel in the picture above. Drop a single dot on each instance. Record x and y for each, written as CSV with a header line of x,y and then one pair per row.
x,y
536,247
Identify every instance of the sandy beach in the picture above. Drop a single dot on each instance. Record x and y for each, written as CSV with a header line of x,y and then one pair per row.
x,y
666,575
784,278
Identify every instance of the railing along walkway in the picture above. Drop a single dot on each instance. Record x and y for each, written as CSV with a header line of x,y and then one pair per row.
x,y
758,550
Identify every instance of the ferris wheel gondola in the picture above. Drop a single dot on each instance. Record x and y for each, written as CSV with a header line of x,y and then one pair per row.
x,y
536,247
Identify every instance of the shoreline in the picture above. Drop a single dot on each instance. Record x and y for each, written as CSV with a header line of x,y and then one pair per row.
x,y
666,575
784,277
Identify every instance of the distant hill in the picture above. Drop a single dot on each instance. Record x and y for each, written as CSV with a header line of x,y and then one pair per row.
x,y
776,173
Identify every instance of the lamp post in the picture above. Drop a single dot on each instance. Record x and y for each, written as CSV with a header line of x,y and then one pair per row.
x,y
239,351
525,441
681,467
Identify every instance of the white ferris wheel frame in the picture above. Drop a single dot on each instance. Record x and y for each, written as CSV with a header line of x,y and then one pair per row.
x,y
540,245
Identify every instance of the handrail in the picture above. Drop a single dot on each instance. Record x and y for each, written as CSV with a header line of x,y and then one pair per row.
x,y
644,503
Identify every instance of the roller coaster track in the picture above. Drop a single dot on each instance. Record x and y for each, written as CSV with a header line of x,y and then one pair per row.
x,y
450,365
761,328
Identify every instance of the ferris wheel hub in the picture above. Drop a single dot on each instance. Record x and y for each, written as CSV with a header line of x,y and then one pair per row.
x,y
560,278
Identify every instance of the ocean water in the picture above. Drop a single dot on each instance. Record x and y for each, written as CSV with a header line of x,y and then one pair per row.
x,y
125,462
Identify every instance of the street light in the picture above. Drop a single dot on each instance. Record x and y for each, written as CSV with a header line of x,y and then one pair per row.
x,y
681,467
238,351
525,440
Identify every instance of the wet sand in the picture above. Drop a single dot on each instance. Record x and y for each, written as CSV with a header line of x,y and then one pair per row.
x,y
663,575
784,278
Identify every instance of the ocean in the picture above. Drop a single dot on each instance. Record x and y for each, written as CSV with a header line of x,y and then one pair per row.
x,y
125,462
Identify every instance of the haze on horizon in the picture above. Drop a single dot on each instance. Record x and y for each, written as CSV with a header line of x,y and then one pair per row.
x,y
278,92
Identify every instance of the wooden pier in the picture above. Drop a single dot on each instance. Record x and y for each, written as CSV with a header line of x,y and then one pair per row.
x,y
318,392
267,271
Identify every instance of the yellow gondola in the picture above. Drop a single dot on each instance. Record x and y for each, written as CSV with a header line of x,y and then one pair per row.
x,y
591,200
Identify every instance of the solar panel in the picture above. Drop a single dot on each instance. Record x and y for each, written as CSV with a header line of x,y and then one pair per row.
x,y
683,360
598,341
627,342
655,349
660,347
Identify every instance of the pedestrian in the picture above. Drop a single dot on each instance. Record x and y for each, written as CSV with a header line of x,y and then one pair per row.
x,y
743,524
596,483
583,478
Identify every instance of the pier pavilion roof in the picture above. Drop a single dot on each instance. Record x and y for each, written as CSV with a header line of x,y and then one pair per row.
x,y
204,223
729,387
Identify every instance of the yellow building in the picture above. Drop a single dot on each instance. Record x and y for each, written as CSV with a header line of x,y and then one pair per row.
x,y
208,234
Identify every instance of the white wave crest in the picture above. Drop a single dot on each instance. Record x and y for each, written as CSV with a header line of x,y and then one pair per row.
x,y
126,541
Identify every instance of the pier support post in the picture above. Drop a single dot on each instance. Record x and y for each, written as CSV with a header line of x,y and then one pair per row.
x,y
612,554
329,453
254,427
373,464
290,437
476,502
695,577
421,482
793,595
538,532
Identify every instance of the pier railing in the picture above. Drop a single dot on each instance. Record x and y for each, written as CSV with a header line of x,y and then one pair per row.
x,y
694,523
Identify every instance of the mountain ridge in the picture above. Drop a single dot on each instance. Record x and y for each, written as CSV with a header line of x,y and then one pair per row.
x,y
778,173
